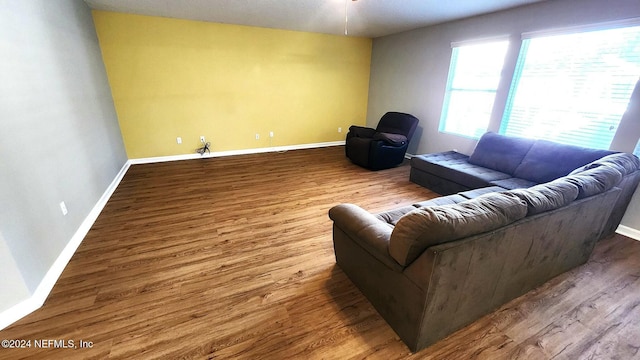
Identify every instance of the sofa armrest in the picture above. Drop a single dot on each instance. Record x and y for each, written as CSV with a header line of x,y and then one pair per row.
x,y
366,230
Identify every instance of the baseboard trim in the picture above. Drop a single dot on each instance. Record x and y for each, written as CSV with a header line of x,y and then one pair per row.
x,y
628,232
233,152
38,297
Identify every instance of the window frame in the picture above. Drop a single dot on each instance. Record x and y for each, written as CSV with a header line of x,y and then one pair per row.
x,y
450,89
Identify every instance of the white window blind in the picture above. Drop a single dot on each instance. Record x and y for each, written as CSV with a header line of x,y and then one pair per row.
x,y
573,88
474,74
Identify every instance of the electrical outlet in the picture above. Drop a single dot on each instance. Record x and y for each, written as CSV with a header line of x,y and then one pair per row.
x,y
202,140
270,133
63,208
179,140
257,136
339,129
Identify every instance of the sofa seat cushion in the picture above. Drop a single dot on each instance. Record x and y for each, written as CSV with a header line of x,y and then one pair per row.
x,y
548,161
472,194
428,226
500,152
454,167
547,196
514,183
391,217
443,200
594,181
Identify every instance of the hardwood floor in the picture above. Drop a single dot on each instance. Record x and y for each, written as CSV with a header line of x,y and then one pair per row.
x,y
232,258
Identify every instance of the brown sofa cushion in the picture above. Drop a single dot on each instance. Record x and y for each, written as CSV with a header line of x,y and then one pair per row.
x,y
548,196
442,200
595,180
428,226
623,162
392,216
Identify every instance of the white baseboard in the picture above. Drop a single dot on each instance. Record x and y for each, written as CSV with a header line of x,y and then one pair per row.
x,y
628,232
41,293
38,297
234,152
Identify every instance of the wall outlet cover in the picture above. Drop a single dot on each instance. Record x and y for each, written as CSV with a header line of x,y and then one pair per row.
x,y
63,208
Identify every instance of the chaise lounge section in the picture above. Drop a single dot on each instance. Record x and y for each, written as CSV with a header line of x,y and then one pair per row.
x,y
434,267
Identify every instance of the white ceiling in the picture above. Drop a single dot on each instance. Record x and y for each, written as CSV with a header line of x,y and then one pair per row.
x,y
367,18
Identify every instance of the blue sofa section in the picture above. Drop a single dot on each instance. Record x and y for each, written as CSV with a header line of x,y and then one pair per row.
x,y
501,162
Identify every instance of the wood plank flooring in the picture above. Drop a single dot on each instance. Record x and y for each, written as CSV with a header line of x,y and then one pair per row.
x,y
232,258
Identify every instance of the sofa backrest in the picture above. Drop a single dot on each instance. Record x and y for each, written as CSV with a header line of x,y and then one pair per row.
x,y
547,160
539,161
548,196
625,163
470,277
418,229
427,226
594,181
629,167
499,152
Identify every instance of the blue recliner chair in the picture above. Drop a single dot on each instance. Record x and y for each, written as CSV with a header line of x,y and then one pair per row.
x,y
383,147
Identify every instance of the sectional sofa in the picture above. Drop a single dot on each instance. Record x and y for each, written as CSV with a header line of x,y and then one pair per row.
x,y
502,229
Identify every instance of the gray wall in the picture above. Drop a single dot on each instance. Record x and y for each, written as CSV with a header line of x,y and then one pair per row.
x,y
632,215
60,135
409,70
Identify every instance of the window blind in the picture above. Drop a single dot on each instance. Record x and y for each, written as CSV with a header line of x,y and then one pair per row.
x,y
573,88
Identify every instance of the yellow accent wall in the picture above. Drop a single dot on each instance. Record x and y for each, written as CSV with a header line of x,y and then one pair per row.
x,y
185,78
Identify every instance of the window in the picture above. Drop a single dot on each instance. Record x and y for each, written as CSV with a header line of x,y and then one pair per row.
x,y
474,75
573,88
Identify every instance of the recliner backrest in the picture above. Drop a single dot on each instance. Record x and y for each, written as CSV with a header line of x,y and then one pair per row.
x,y
398,123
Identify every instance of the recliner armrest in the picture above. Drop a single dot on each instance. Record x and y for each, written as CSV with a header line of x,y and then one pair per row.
x,y
365,229
391,139
361,131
